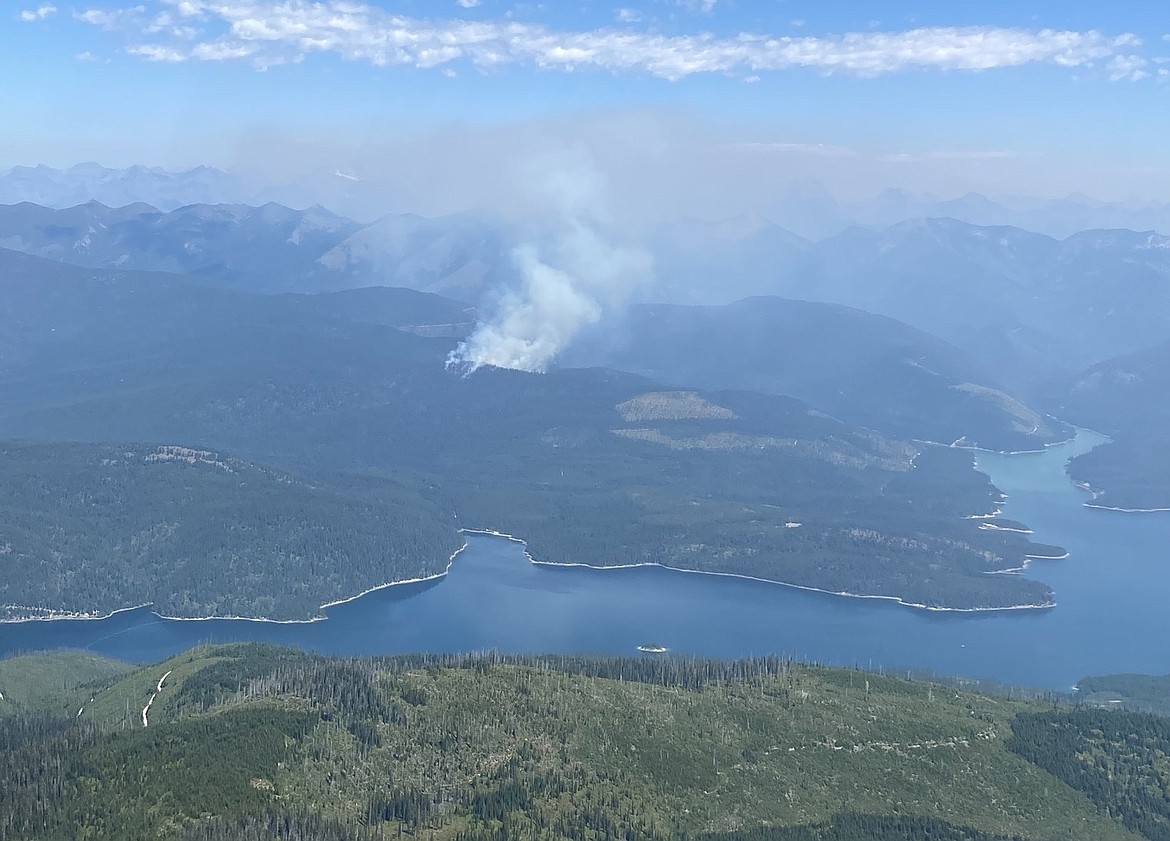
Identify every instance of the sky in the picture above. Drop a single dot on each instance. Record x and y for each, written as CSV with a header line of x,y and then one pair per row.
x,y
698,103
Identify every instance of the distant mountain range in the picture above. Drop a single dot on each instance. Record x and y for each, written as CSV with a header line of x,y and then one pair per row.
x,y
807,207
1024,306
266,249
87,182
810,210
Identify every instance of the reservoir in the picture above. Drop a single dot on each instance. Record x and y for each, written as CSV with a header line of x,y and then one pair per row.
x,y
1112,595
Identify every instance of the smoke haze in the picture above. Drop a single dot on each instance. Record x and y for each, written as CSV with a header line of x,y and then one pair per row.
x,y
568,275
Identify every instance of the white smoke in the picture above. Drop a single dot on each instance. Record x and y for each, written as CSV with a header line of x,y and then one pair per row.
x,y
569,276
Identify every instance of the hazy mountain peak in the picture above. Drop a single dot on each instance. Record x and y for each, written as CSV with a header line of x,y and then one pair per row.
x,y
809,189
1117,238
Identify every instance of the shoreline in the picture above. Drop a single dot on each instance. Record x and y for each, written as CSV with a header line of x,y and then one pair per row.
x,y
896,599
389,584
1125,510
989,526
67,615
79,616
1027,563
62,616
958,445
1096,494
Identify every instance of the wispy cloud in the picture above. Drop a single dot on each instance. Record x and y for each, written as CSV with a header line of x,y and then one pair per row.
x,y
155,52
268,32
1127,68
703,7
43,11
112,19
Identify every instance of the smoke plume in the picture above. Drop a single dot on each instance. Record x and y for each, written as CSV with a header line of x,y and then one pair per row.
x,y
568,275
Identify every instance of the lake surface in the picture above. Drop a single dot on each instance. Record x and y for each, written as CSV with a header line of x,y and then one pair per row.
x,y
1111,615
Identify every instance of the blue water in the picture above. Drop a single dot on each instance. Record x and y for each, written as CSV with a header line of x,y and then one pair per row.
x,y
1112,595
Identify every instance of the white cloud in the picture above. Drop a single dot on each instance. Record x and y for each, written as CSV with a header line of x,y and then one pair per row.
x,y
280,31
222,51
40,13
188,8
1127,68
703,7
111,19
626,15
156,52
468,4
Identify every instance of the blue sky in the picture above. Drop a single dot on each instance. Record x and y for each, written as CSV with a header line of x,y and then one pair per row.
x,y
1051,96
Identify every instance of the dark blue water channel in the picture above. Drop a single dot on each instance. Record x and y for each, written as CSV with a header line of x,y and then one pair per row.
x,y
1112,592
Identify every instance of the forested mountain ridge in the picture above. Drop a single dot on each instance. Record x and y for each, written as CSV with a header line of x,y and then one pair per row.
x,y
256,742
866,369
88,529
1137,693
56,315
1126,398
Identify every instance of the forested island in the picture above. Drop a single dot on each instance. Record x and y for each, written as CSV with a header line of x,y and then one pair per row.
x,y
253,742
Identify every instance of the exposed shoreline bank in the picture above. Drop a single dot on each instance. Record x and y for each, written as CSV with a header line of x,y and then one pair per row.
x,y
77,616
65,616
1085,486
896,599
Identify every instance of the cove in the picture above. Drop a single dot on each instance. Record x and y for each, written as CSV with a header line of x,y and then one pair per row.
x,y
1111,614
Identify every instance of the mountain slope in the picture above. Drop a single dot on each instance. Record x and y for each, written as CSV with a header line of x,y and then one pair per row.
x,y
1127,398
865,369
94,528
497,747
459,256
